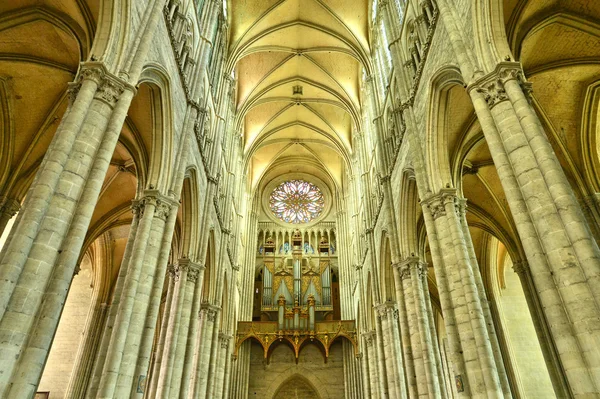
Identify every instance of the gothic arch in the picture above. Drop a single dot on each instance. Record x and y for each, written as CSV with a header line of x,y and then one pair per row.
x,y
437,141
319,386
190,214
209,264
409,209
387,274
158,96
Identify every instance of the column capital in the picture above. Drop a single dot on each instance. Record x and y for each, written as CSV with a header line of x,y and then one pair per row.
x,y
209,311
162,203
224,340
412,263
10,207
173,271
491,86
521,267
369,337
110,87
193,269
436,203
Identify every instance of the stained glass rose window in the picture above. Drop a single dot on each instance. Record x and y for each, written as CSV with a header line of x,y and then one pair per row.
x,y
296,201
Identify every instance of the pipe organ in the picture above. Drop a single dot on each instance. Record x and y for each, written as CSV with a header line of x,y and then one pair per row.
x,y
296,269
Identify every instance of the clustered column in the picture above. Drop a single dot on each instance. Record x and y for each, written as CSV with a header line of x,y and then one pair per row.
x,y
388,316
563,256
203,361
479,370
422,329
127,351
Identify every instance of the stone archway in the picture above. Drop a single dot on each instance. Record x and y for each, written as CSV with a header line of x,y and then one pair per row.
x,y
296,387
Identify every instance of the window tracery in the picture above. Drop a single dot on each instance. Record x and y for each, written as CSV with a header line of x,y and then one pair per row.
x,y
296,201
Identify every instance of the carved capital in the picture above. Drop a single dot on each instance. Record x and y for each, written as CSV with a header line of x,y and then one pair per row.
x,y
208,311
224,340
173,271
412,263
492,85
10,207
521,267
436,204
436,207
493,93
109,91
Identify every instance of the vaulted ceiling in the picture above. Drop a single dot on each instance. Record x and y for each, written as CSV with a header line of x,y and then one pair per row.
x,y
298,65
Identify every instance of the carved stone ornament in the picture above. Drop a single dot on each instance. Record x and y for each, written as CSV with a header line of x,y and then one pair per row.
x,y
194,272
493,93
381,311
10,208
173,271
109,91
162,210
520,267
209,311
492,85
437,208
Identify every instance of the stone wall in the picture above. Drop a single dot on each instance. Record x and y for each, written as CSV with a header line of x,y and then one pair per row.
x,y
281,374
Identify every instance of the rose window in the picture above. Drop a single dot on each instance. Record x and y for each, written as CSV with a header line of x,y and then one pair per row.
x,y
296,201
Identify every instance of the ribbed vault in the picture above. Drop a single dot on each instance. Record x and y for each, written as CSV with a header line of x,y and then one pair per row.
x,y
298,65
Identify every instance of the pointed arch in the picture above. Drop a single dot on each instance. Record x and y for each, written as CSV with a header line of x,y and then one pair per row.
x,y
157,80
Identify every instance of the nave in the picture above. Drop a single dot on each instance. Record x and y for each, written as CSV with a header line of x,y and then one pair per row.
x,y
299,198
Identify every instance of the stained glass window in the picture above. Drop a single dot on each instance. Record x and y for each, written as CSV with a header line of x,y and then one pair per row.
x,y
296,201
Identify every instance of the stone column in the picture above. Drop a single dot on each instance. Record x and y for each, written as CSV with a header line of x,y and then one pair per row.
x,y
380,356
228,374
483,373
222,352
208,314
371,344
562,253
409,363
45,244
195,276
366,368
114,306
213,359
173,276
388,314
177,309
122,354
416,271
184,328
9,208
413,332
